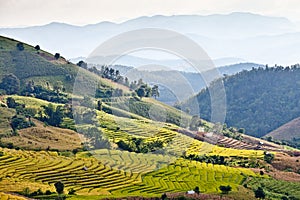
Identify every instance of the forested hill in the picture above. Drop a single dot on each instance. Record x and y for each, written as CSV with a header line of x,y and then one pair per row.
x,y
259,100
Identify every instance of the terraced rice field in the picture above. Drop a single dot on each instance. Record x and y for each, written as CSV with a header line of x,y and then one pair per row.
x,y
275,188
114,173
4,196
117,128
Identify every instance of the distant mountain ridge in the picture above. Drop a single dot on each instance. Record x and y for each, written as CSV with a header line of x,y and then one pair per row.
x,y
235,35
168,80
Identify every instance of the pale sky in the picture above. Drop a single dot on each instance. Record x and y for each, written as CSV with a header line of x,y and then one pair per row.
x,y
16,13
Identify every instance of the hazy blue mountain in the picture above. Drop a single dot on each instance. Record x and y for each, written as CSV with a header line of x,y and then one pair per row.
x,y
175,85
245,36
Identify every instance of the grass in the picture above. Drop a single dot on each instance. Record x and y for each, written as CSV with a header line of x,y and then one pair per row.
x,y
152,109
5,115
275,189
45,137
41,66
31,102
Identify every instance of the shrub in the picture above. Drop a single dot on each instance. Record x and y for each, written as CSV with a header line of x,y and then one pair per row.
x,y
19,122
71,191
260,193
48,192
20,46
225,189
268,157
57,56
59,186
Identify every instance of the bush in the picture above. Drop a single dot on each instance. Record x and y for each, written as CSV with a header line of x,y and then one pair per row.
x,y
260,193
57,56
225,189
19,122
59,186
71,191
10,83
48,192
268,157
20,46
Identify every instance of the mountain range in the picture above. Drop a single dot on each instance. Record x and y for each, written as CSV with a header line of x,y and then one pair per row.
x,y
242,36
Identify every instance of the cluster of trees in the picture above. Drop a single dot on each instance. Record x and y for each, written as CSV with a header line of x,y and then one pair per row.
x,y
52,115
10,84
59,187
138,145
23,117
259,100
55,94
233,132
268,157
214,159
20,122
106,72
96,138
141,88
26,192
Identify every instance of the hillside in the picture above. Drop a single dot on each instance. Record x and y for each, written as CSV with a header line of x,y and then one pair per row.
x,y
176,85
288,132
259,100
38,68
42,67
59,143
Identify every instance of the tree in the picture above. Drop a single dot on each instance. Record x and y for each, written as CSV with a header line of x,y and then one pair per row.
x,y
71,191
11,103
96,138
268,157
164,196
195,123
225,189
20,46
155,92
141,92
58,86
126,83
144,91
37,47
10,83
197,190
241,130
99,105
59,186
260,193
19,122
57,56
111,73
82,64
54,116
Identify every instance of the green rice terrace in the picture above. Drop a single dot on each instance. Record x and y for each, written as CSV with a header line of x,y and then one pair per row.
x,y
116,173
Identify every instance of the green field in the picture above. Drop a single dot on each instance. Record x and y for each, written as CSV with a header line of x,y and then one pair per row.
x,y
114,173
275,188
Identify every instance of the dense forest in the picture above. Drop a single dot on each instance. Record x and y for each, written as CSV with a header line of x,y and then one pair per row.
x,y
259,100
